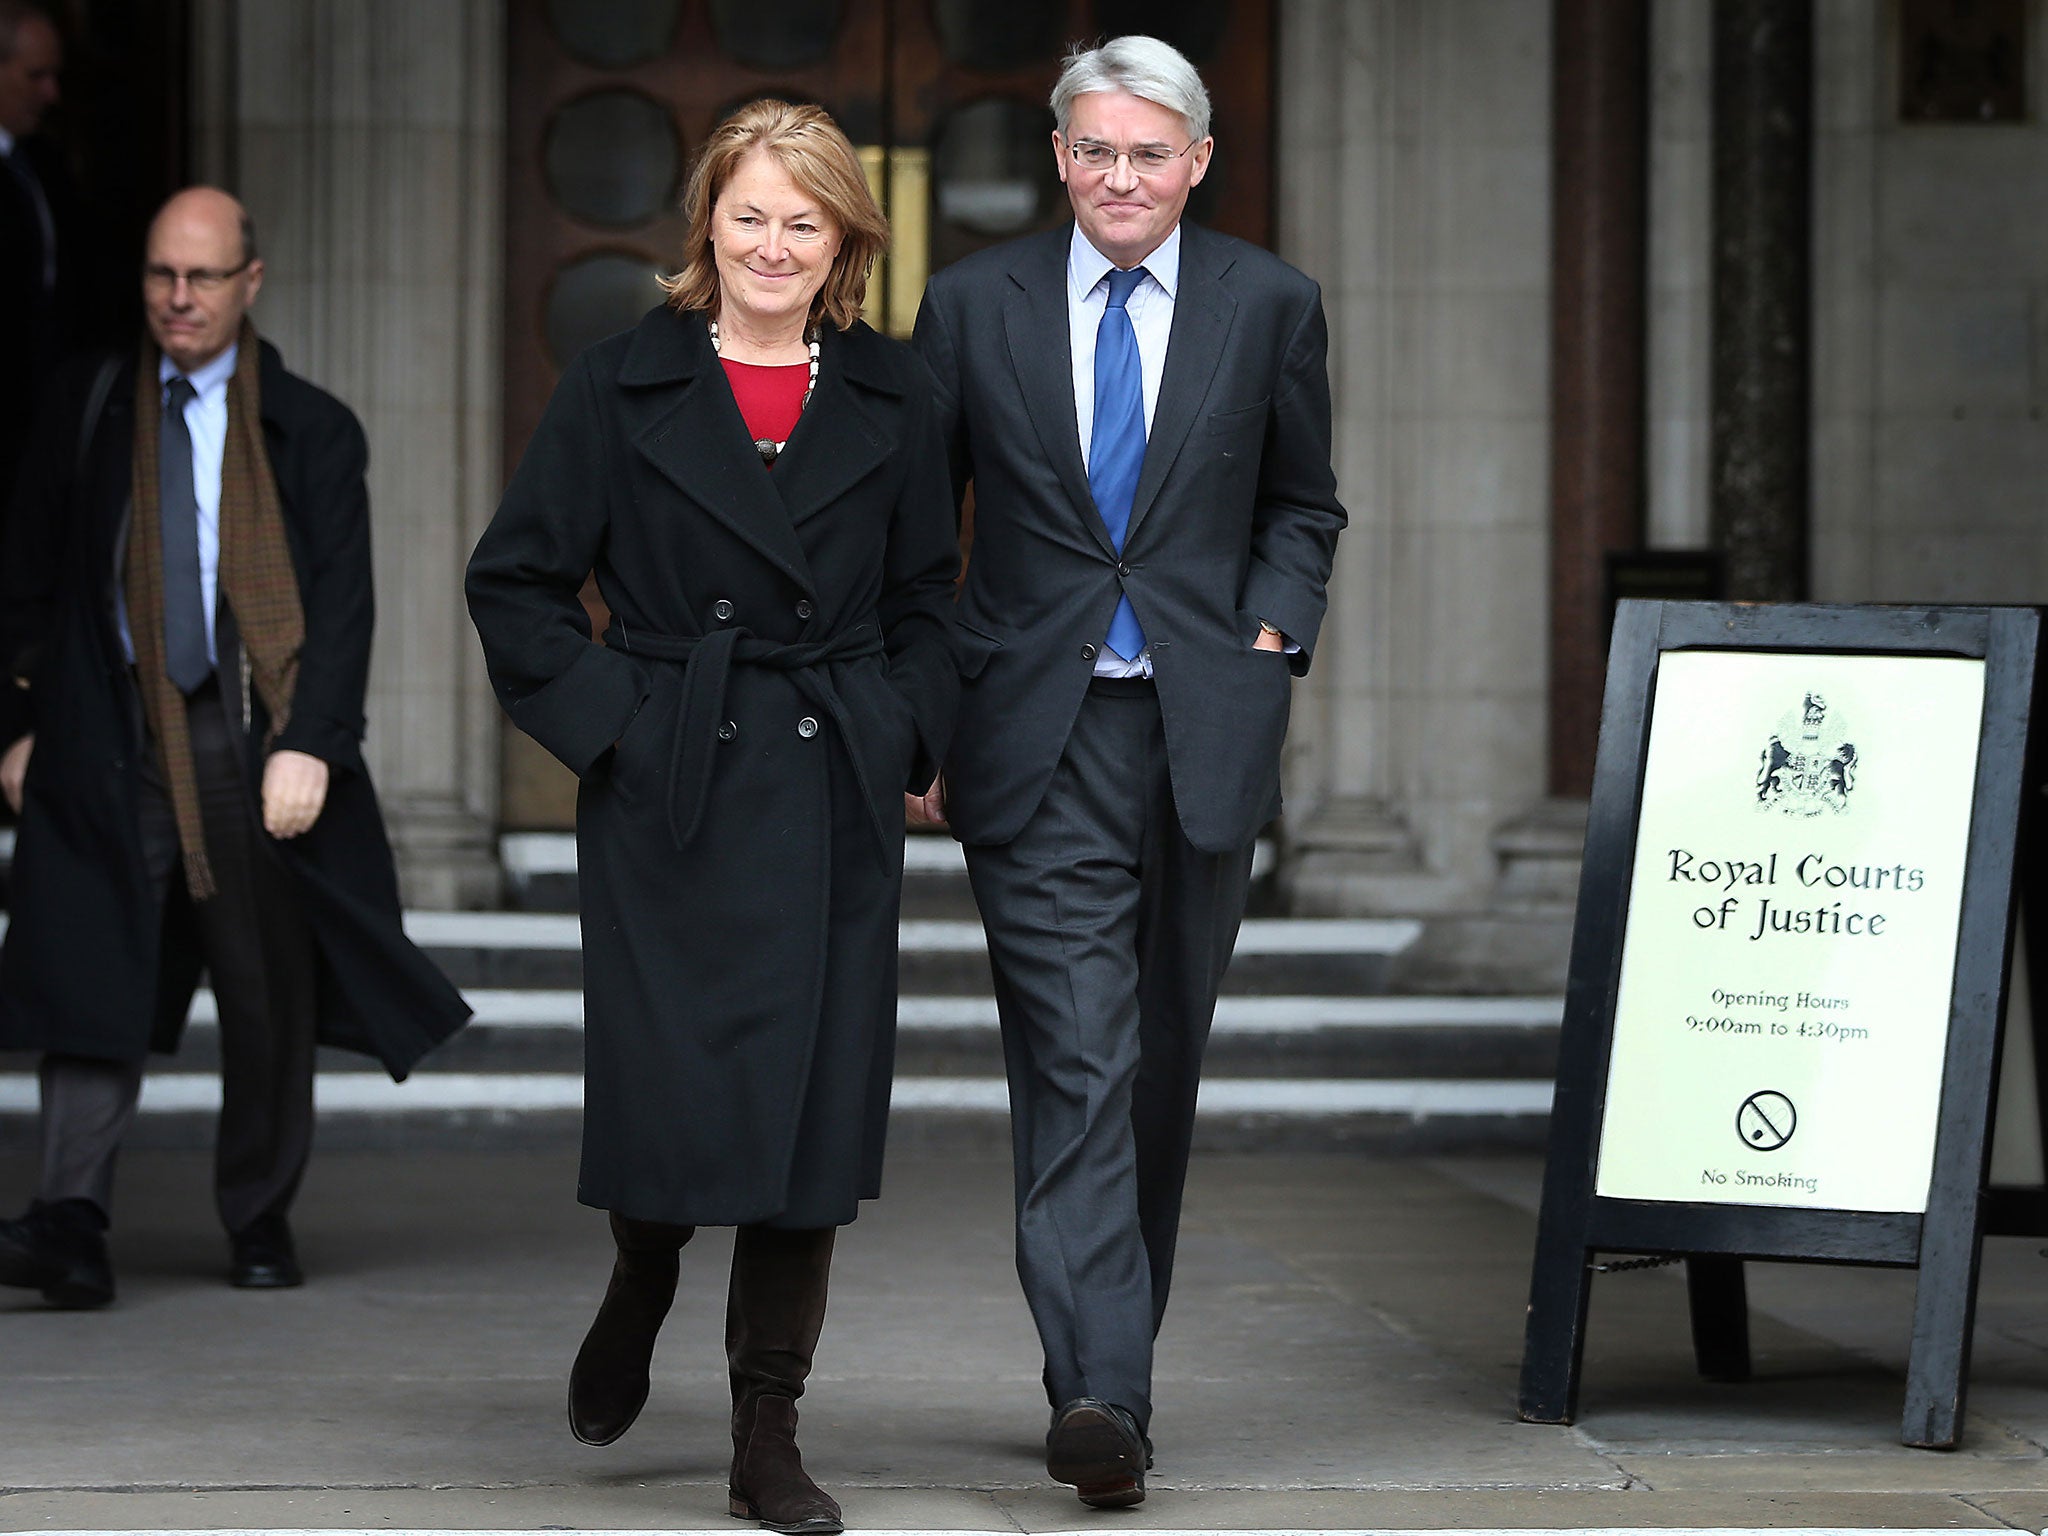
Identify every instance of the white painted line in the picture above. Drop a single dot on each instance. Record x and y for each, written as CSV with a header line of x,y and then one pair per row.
x,y
525,854
495,930
508,1094
1288,1014
1603,1530
1258,936
538,1008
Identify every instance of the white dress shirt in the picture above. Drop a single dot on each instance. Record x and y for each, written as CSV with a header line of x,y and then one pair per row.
x,y
206,418
1151,310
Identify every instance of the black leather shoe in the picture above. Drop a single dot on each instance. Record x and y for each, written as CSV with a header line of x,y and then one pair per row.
x,y
1096,1447
59,1249
261,1256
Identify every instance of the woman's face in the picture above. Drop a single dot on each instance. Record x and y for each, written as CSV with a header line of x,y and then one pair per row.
x,y
774,245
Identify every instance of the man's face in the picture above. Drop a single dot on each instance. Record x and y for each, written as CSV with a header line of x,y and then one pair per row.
x,y
195,286
28,76
1125,215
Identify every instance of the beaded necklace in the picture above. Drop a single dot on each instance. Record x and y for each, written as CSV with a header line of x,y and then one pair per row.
x,y
768,448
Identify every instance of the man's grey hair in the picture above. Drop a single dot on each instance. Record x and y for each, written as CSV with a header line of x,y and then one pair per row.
x,y
13,15
1138,66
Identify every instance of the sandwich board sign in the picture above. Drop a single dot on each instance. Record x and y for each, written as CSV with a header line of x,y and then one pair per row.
x,y
1789,970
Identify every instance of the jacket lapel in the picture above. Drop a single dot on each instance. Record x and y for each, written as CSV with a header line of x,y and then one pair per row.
x,y
1041,350
1203,311
838,440
688,426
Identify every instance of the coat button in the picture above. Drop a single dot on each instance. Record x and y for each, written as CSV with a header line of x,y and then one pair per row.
x,y
727,731
803,609
807,727
1122,569
722,610
1087,653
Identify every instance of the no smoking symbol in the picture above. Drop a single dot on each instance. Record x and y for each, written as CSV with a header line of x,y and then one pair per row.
x,y
1766,1121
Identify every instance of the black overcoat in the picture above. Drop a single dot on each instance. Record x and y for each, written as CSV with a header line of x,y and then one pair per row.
x,y
92,965
777,673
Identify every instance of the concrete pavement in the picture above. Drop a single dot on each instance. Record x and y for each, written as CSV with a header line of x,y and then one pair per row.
x,y
1341,1354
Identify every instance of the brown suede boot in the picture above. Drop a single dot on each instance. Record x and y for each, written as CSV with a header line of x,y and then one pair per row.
x,y
608,1384
774,1313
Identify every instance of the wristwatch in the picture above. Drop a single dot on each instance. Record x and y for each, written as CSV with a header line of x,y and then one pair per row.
x,y
1269,629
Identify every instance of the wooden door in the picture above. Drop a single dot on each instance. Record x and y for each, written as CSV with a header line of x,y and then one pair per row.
x,y
608,99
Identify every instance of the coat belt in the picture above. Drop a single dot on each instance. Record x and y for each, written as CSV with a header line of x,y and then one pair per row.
x,y
708,661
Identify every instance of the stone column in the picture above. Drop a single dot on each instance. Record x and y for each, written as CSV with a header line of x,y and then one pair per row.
x,y
1762,294
1600,149
1413,183
366,140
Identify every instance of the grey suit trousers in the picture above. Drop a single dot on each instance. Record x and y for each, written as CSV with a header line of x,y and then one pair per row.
x,y
1108,937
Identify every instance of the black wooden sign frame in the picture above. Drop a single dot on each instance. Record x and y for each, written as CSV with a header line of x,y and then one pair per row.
x,y
1945,1242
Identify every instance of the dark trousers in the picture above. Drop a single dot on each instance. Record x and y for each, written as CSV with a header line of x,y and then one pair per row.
x,y
1108,937
259,955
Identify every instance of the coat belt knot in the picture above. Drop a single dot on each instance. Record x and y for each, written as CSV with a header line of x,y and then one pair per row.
x,y
708,661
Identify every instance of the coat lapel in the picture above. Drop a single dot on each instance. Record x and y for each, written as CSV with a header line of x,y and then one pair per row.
x,y
1035,322
1203,311
838,441
688,426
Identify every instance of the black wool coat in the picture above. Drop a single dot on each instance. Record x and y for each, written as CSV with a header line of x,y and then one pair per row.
x,y
778,672
92,964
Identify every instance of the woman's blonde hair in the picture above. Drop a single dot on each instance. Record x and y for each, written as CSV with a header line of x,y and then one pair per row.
x,y
815,155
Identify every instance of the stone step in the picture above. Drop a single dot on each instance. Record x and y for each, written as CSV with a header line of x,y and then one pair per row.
x,y
540,875
1341,1038
1274,957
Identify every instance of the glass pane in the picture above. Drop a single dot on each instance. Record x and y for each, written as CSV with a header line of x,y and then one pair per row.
x,y
999,37
791,34
1195,27
993,172
614,34
613,158
597,297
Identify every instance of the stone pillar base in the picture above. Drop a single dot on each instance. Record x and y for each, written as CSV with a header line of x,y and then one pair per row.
x,y
1357,857
1517,940
447,857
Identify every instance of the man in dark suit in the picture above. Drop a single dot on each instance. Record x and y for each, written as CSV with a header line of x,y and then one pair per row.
x,y
1143,408
185,618
34,207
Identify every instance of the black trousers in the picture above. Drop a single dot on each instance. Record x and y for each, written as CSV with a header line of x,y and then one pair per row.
x,y
260,958
1108,935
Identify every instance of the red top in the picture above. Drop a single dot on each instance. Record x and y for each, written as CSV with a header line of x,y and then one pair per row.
x,y
771,396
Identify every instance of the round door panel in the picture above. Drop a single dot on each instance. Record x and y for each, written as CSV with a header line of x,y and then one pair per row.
x,y
993,171
790,34
999,38
1195,27
613,158
614,34
595,297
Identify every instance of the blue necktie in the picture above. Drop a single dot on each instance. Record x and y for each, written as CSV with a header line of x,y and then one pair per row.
x,y
1116,447
178,510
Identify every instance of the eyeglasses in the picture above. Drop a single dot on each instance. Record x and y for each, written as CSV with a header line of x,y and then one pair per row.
x,y
198,279
1146,159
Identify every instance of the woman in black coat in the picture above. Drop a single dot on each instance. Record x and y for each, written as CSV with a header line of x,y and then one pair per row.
x,y
757,481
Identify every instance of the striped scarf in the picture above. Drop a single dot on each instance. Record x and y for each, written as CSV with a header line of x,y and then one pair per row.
x,y
256,581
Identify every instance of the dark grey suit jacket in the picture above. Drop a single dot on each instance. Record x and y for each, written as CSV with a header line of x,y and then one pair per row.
x,y
1235,520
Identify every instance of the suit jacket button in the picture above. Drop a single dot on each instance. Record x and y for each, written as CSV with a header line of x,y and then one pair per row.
x,y
1087,653
1122,569
803,609
807,727
727,731
722,610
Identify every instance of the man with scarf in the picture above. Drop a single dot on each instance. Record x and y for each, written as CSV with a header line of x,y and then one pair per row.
x,y
185,624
